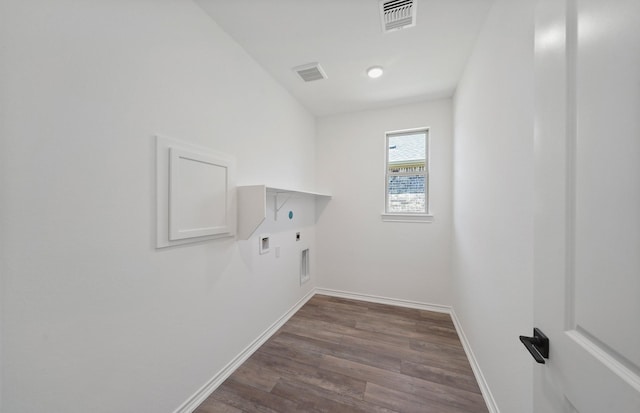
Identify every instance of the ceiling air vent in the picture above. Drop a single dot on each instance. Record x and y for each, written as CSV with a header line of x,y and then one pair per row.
x,y
310,72
397,14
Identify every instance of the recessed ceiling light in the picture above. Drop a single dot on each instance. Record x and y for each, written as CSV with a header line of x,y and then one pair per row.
x,y
374,72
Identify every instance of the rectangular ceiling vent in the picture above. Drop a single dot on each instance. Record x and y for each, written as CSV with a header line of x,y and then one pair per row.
x,y
397,14
310,72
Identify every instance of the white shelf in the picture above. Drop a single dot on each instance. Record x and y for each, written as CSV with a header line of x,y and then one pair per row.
x,y
252,205
296,192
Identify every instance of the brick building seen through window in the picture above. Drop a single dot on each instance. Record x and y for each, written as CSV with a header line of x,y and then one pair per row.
x,y
407,169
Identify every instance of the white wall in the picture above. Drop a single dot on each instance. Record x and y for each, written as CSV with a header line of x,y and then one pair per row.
x,y
493,196
357,251
94,318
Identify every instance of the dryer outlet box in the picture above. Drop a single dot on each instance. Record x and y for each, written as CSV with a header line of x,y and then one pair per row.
x,y
264,243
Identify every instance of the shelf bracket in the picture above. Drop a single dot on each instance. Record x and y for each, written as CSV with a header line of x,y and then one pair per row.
x,y
277,207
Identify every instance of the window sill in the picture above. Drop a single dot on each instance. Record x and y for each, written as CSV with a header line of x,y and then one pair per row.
x,y
407,218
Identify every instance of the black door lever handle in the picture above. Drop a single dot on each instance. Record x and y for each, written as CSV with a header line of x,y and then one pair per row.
x,y
538,345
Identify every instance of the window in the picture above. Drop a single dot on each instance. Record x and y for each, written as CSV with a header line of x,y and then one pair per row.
x,y
407,174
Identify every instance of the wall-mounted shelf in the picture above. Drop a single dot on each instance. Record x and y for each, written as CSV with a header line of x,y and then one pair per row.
x,y
252,205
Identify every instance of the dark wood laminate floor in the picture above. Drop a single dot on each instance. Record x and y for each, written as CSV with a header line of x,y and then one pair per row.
x,y
338,355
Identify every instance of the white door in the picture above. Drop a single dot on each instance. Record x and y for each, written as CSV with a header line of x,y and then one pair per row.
x,y
587,222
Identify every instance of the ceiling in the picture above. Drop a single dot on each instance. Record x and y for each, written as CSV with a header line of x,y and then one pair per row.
x,y
345,37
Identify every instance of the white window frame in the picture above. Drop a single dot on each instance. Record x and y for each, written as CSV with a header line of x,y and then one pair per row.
x,y
425,216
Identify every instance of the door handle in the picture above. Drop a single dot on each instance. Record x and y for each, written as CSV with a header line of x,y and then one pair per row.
x,y
538,345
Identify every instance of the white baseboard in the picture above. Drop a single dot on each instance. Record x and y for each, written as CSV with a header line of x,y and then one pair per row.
x,y
482,382
205,391
384,300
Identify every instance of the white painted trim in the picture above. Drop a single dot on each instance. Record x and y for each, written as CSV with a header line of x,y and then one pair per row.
x,y
407,217
205,391
622,371
384,300
482,382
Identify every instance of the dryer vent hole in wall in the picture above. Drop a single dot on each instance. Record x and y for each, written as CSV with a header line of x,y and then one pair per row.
x,y
264,244
304,266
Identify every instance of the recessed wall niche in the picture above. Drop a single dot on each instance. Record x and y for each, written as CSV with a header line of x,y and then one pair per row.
x,y
195,193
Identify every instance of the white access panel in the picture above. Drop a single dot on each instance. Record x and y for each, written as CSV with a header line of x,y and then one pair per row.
x,y
195,193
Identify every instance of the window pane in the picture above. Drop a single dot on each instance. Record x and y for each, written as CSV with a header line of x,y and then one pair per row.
x,y
406,169
407,149
406,194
